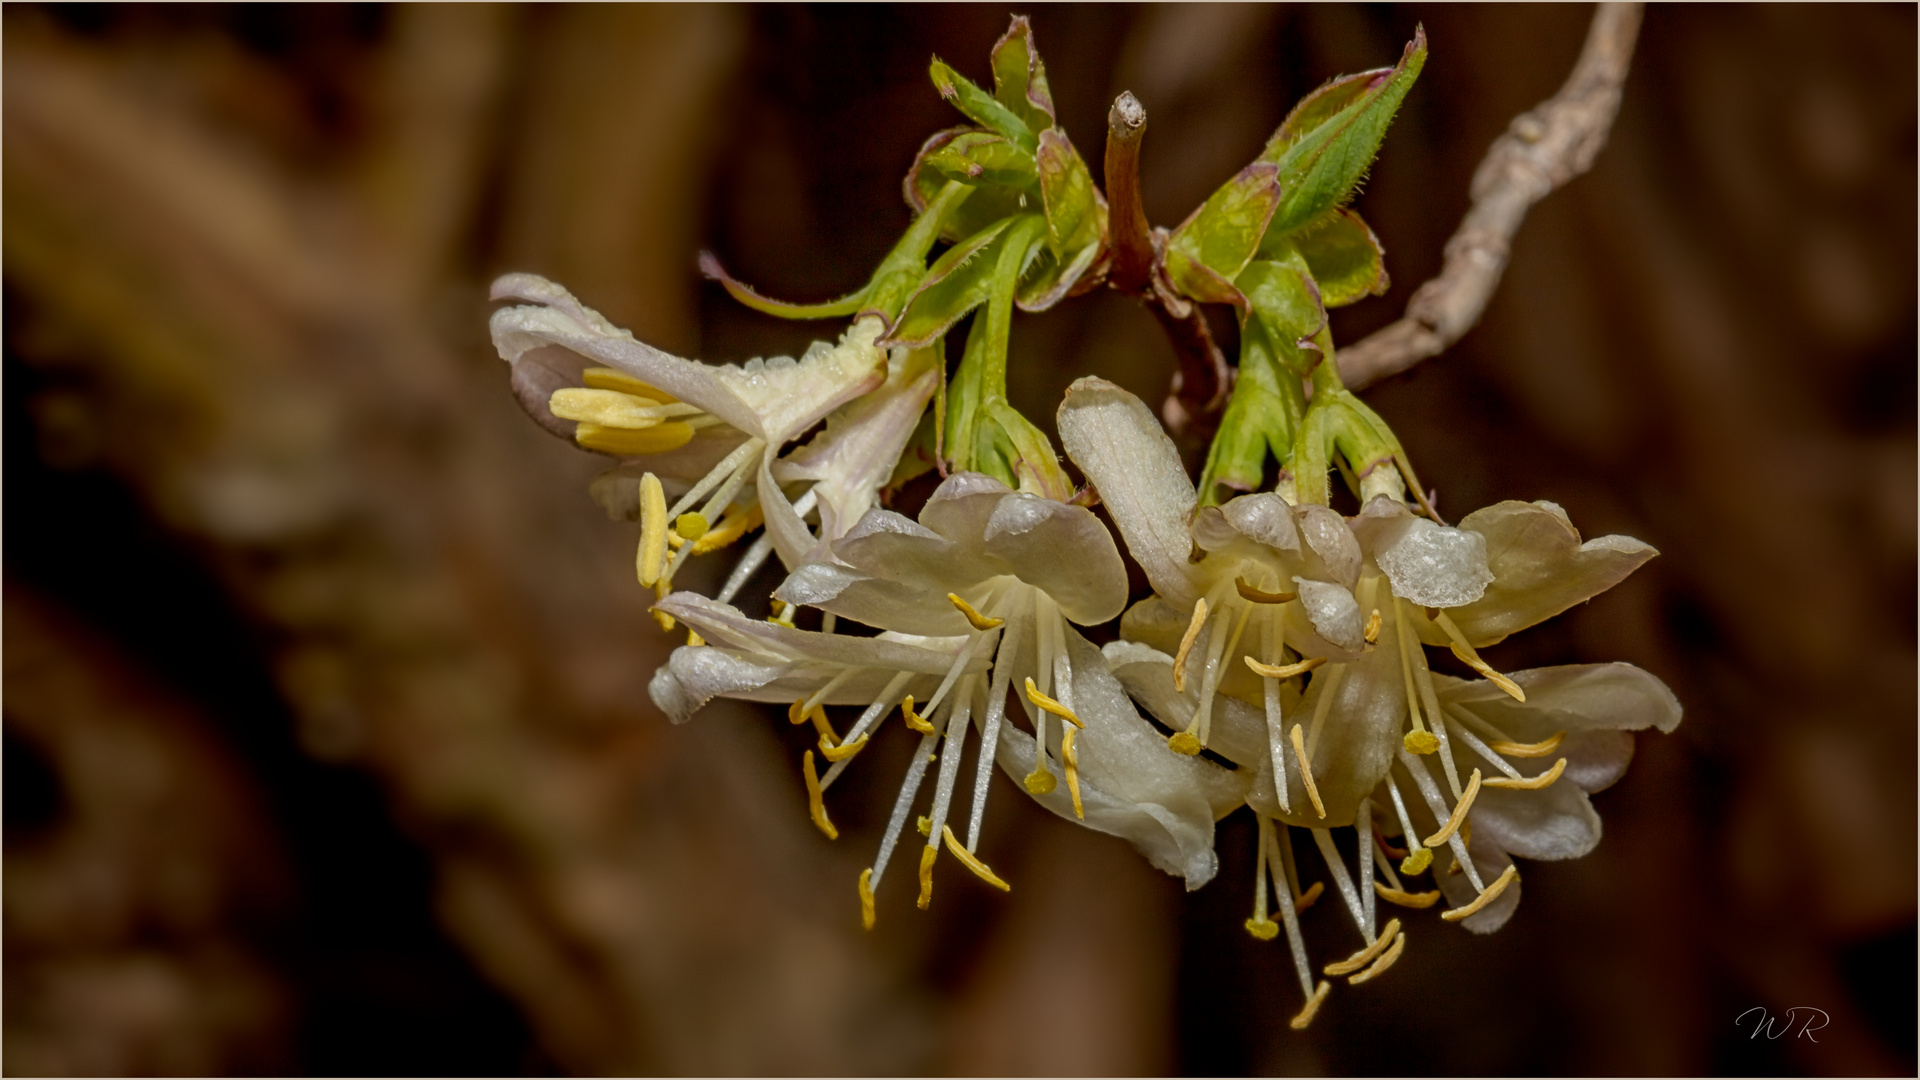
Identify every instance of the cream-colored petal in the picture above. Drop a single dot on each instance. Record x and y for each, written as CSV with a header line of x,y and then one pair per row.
x,y
728,626
1120,446
1335,614
1060,549
911,607
1540,568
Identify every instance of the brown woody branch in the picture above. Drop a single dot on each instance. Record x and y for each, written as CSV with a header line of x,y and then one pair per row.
x,y
1138,269
1541,150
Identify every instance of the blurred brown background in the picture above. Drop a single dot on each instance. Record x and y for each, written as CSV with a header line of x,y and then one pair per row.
x,y
327,743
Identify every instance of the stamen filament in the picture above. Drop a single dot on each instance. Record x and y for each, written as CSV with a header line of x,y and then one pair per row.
x,y
1456,728
903,806
868,719
1459,812
1487,895
1419,740
729,466
816,806
1430,792
1381,965
971,862
1334,675
1260,926
1280,866
1276,721
1419,858
1323,839
749,565
990,731
1535,783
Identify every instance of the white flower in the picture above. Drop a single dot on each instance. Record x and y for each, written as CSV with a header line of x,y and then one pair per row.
x,y
975,599
1235,583
714,432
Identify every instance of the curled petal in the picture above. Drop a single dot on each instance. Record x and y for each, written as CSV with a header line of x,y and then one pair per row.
x,y
1540,568
692,677
1335,614
911,607
1119,445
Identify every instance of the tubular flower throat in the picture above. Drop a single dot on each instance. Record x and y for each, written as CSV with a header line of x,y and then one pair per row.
x,y
712,435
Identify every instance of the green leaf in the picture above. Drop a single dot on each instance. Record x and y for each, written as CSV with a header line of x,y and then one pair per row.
x,y
898,274
1019,79
1076,212
1212,246
981,107
979,158
960,281
1285,304
1323,168
1261,418
1034,464
1318,107
1347,260
988,204
1048,281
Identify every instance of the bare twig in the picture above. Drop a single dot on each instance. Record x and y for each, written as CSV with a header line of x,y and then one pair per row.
x,y
1128,235
1541,150
1139,269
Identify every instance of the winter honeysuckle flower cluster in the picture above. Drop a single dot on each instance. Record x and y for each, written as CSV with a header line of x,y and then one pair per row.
x,y
1282,660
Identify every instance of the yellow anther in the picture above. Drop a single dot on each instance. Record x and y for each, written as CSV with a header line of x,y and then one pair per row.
x,y
798,713
1381,965
843,751
610,408
979,621
927,855
972,862
1372,633
1306,772
1186,644
1184,742
1071,760
1421,742
1492,893
634,442
924,824
1264,929
694,640
783,613
1305,900
1365,956
1534,783
1417,861
660,590
606,378
913,719
1043,701
1472,659
1529,749
731,529
1305,1016
653,529
866,899
816,805
1459,812
1248,592
1283,671
690,527
1407,899
1040,781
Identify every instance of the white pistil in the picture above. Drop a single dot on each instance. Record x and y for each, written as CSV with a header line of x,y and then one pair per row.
x,y
902,806
1276,720
749,563
1216,664
1342,881
730,465
954,736
1280,865
1473,743
875,712
1363,872
1414,863
996,713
